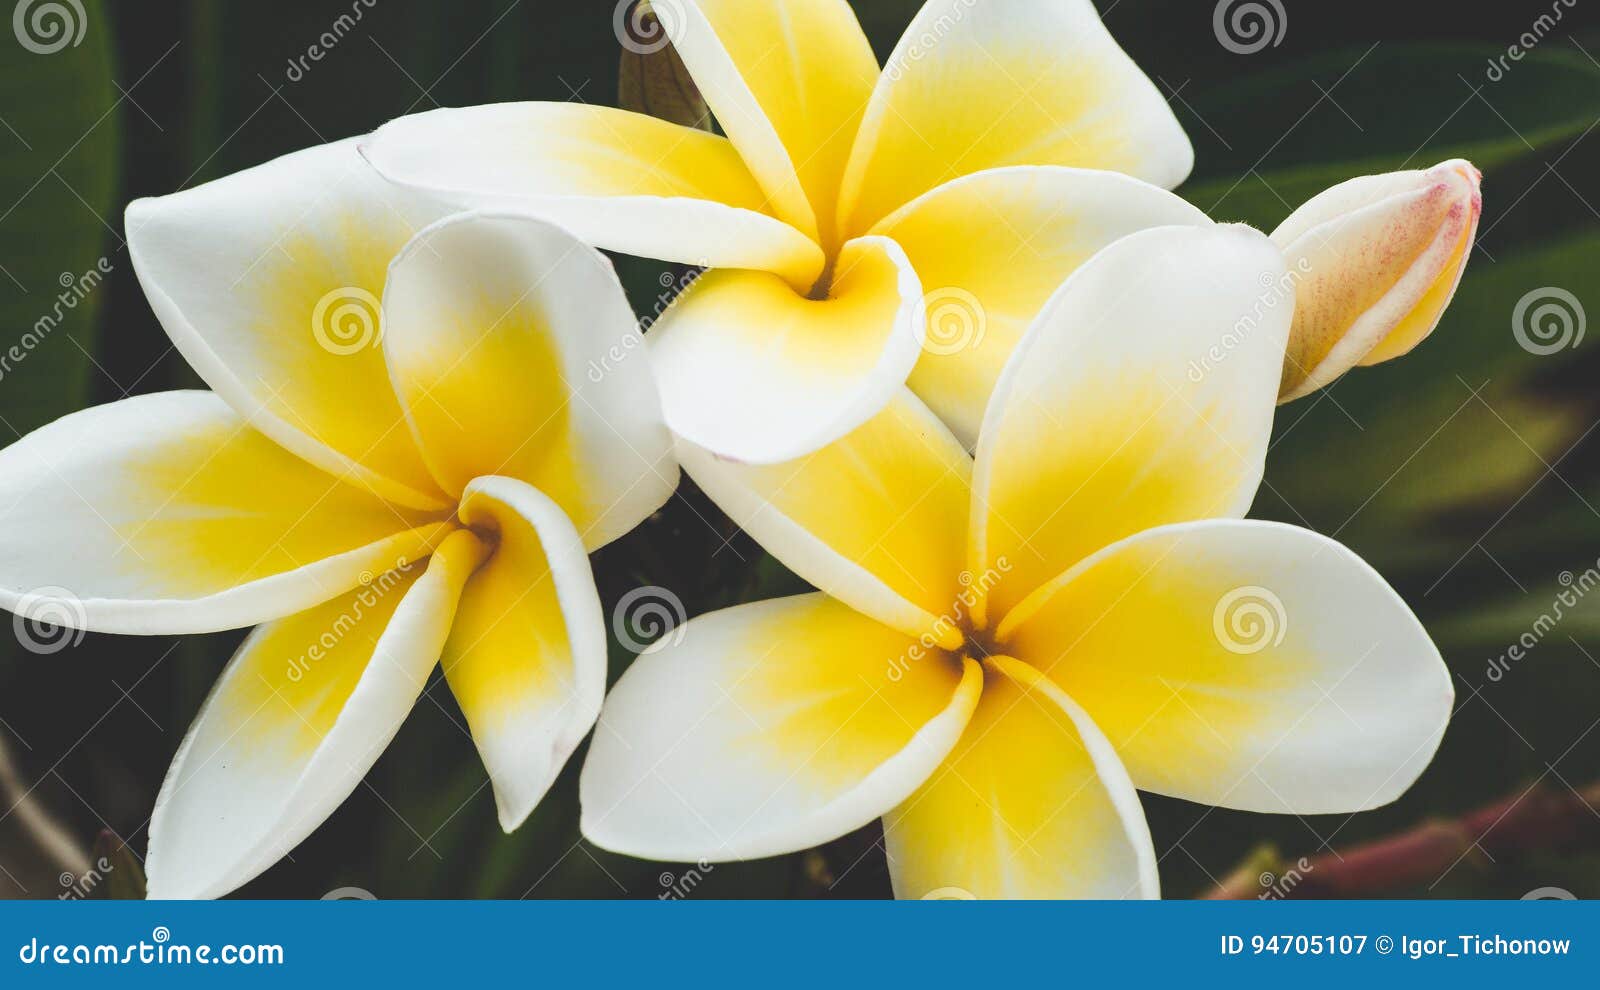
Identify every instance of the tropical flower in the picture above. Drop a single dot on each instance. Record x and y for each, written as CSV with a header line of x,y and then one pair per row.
x,y
377,495
1003,649
851,214
1380,256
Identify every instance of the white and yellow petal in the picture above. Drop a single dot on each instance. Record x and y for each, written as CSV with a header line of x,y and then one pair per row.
x,y
979,85
168,514
876,519
1032,804
788,80
991,248
766,729
526,657
1377,259
618,180
1142,395
297,719
514,352
1244,664
268,283
754,371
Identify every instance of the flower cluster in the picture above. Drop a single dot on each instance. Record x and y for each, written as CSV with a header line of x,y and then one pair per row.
x,y
426,411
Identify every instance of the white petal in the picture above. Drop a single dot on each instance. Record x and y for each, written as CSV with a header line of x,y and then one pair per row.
x,y
514,352
526,656
766,729
619,180
297,719
268,282
751,370
1244,664
1142,395
168,514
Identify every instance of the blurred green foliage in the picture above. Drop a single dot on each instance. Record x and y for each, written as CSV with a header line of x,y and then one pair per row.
x,y
1466,472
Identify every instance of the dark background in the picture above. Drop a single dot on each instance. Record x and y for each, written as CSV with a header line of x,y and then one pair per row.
x,y
1466,473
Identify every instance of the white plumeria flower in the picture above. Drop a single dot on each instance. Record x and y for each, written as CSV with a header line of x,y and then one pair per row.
x,y
854,214
1376,261
1004,649
378,496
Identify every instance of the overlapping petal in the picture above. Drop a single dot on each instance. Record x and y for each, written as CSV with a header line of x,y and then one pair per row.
x,y
514,353
268,282
788,80
979,85
1143,395
991,248
526,657
1032,803
299,716
752,370
876,519
1244,664
618,180
168,514
766,729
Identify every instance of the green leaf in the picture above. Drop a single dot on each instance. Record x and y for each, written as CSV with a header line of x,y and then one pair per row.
x,y
1269,142
58,166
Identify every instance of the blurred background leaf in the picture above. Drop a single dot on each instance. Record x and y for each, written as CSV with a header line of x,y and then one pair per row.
x,y
1466,472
